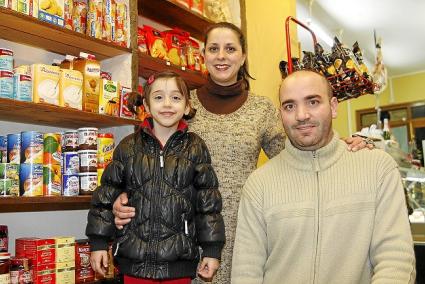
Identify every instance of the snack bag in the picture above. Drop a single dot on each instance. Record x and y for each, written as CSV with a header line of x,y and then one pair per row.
x,y
193,55
156,45
141,40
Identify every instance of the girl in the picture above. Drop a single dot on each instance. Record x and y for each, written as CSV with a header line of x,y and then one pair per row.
x,y
167,174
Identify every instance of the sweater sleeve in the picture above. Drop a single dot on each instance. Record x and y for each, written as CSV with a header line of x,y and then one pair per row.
x,y
100,221
250,248
208,219
391,249
273,137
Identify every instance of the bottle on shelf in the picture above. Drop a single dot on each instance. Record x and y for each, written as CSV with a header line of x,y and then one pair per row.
x,y
386,134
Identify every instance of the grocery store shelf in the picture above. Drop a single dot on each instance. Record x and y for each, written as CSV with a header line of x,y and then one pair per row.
x,y
28,30
149,65
44,203
172,14
43,114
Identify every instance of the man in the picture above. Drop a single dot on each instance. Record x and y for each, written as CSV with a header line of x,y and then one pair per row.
x,y
318,213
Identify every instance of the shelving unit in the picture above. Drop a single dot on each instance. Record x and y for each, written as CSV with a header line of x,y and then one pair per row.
x,y
44,203
28,30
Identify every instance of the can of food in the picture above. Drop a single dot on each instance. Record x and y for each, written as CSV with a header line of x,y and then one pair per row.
x,y
4,267
22,87
70,141
14,188
6,84
88,161
3,149
52,149
6,59
70,163
31,147
52,180
5,185
88,183
4,238
71,185
105,147
8,170
31,180
87,138
21,270
99,175
14,148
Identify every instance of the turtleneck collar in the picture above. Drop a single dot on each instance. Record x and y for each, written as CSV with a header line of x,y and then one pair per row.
x,y
222,99
317,160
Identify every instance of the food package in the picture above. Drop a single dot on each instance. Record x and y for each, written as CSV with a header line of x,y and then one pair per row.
x,y
71,89
65,272
194,60
141,40
45,86
109,16
67,8
122,19
95,18
197,6
79,16
175,41
156,44
51,11
83,271
90,68
109,97
21,6
65,249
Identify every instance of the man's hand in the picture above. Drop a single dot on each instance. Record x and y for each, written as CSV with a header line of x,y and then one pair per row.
x,y
357,143
122,213
208,268
99,261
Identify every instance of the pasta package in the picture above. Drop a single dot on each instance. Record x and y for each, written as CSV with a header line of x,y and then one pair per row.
x,y
95,18
109,15
121,23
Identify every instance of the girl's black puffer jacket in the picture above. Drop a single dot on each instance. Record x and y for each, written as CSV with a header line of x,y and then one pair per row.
x,y
175,192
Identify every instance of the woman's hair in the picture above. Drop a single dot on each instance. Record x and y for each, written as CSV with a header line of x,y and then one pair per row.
x,y
243,71
135,99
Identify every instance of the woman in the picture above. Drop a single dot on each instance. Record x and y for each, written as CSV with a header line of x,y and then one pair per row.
x,y
235,125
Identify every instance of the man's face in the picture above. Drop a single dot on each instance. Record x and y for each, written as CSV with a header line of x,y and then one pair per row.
x,y
306,110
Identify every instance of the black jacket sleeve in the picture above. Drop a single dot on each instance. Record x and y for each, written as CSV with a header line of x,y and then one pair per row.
x,y
209,221
100,221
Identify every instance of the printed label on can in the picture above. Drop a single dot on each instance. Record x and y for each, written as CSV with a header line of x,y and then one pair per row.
x,y
88,183
71,163
10,171
5,185
52,180
71,185
87,138
3,149
70,142
6,84
31,180
14,148
105,149
88,160
31,147
52,149
22,87
6,59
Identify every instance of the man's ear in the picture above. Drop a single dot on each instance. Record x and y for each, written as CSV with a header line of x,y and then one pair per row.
x,y
334,106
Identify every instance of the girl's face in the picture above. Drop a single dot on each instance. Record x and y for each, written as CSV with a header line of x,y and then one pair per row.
x,y
223,56
166,104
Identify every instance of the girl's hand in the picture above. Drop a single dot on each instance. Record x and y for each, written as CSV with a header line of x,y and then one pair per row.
x,y
122,213
99,261
357,143
208,268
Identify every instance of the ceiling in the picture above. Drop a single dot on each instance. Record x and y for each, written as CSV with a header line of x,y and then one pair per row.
x,y
400,25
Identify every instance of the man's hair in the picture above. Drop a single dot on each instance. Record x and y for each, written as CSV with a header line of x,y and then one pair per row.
x,y
325,81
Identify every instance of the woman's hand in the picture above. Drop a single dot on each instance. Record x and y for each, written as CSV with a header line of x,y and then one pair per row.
x,y
208,268
122,213
357,143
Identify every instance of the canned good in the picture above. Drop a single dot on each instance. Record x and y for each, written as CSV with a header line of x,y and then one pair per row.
x,y
6,59
21,270
88,183
4,267
52,180
6,84
105,147
3,149
14,148
31,147
71,185
70,141
10,171
99,175
71,163
31,180
87,138
52,149
22,87
5,185
4,239
88,161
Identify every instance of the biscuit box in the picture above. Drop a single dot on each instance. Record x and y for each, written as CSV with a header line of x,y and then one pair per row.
x,y
51,11
41,251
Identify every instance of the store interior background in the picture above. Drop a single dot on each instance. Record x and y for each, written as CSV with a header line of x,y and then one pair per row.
x,y
263,22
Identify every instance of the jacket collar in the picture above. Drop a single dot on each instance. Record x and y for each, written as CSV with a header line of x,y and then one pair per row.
x,y
147,126
317,160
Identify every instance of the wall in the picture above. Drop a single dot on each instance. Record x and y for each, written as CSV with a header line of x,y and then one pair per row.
x,y
266,44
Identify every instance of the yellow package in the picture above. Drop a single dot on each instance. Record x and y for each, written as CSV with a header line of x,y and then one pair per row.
x,y
65,249
51,11
109,98
45,86
21,6
65,272
71,89
95,18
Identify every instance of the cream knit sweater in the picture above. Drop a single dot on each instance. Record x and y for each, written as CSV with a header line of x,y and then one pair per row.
x,y
325,216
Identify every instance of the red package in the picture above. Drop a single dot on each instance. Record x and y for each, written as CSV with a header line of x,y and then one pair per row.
x,y
141,40
83,271
194,60
175,40
156,44
41,251
44,274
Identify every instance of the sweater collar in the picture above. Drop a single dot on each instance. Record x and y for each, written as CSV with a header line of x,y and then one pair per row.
x,y
317,160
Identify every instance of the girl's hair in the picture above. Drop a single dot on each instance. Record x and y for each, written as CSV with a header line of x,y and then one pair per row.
x,y
135,99
243,71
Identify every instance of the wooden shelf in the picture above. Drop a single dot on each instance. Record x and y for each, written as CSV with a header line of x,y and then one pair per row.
x,y
43,114
174,15
44,203
149,65
28,30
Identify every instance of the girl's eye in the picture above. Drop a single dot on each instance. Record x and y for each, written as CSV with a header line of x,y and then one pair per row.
x,y
157,97
177,98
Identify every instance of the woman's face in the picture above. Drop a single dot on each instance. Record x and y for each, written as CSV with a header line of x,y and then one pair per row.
x,y
223,56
